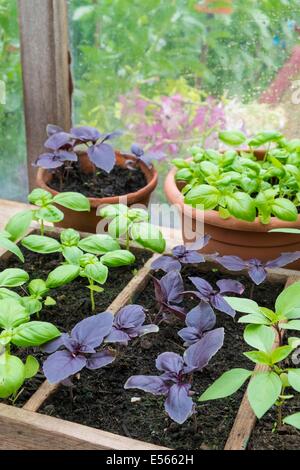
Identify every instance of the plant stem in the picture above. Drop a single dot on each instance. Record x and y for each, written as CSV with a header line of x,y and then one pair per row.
x,y
127,240
279,416
251,291
92,295
42,227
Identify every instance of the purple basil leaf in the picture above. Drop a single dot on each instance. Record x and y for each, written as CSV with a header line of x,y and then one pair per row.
x,y
172,284
199,243
233,263
58,140
283,260
228,285
91,331
117,336
136,150
204,288
160,293
258,274
48,161
192,257
85,134
110,135
169,362
179,251
197,356
53,129
61,365
131,316
147,383
198,320
53,345
220,304
149,157
179,405
103,156
166,263
146,329
100,359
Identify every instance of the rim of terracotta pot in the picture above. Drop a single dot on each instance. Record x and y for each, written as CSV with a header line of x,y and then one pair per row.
x,y
212,217
44,176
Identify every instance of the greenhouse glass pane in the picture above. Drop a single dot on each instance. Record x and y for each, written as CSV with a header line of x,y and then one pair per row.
x,y
171,74
13,161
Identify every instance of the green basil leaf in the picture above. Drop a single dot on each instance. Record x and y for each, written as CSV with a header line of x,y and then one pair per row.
x,y
12,375
226,385
232,137
8,294
118,258
242,305
241,206
138,215
18,225
259,357
149,236
284,209
112,210
204,195
49,301
260,337
31,305
62,275
118,226
288,299
34,333
49,213
13,277
97,271
37,288
31,367
74,201
263,391
41,244
72,254
184,174
264,137
40,197
293,420
280,353
12,313
7,244
69,237
99,244
255,319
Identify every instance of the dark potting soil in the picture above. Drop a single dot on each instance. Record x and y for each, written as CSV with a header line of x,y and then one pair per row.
x,y
73,300
118,182
100,400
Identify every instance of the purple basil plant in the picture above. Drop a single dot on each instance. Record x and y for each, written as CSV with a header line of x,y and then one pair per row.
x,y
146,157
61,145
175,381
79,349
214,297
199,321
257,270
169,291
128,324
182,255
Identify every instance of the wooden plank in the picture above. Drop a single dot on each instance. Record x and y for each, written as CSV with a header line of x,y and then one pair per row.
x,y
45,68
25,430
245,419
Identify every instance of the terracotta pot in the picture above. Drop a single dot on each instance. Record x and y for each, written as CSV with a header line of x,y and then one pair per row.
x,y
232,236
87,221
211,7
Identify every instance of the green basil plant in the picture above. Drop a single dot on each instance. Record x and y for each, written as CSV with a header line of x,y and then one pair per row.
x,y
46,211
133,224
277,384
18,330
237,184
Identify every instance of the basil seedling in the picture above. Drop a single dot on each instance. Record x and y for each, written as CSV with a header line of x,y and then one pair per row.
x,y
19,331
46,210
265,388
133,224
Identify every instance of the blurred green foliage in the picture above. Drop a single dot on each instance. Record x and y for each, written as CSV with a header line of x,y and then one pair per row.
x,y
123,44
13,169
